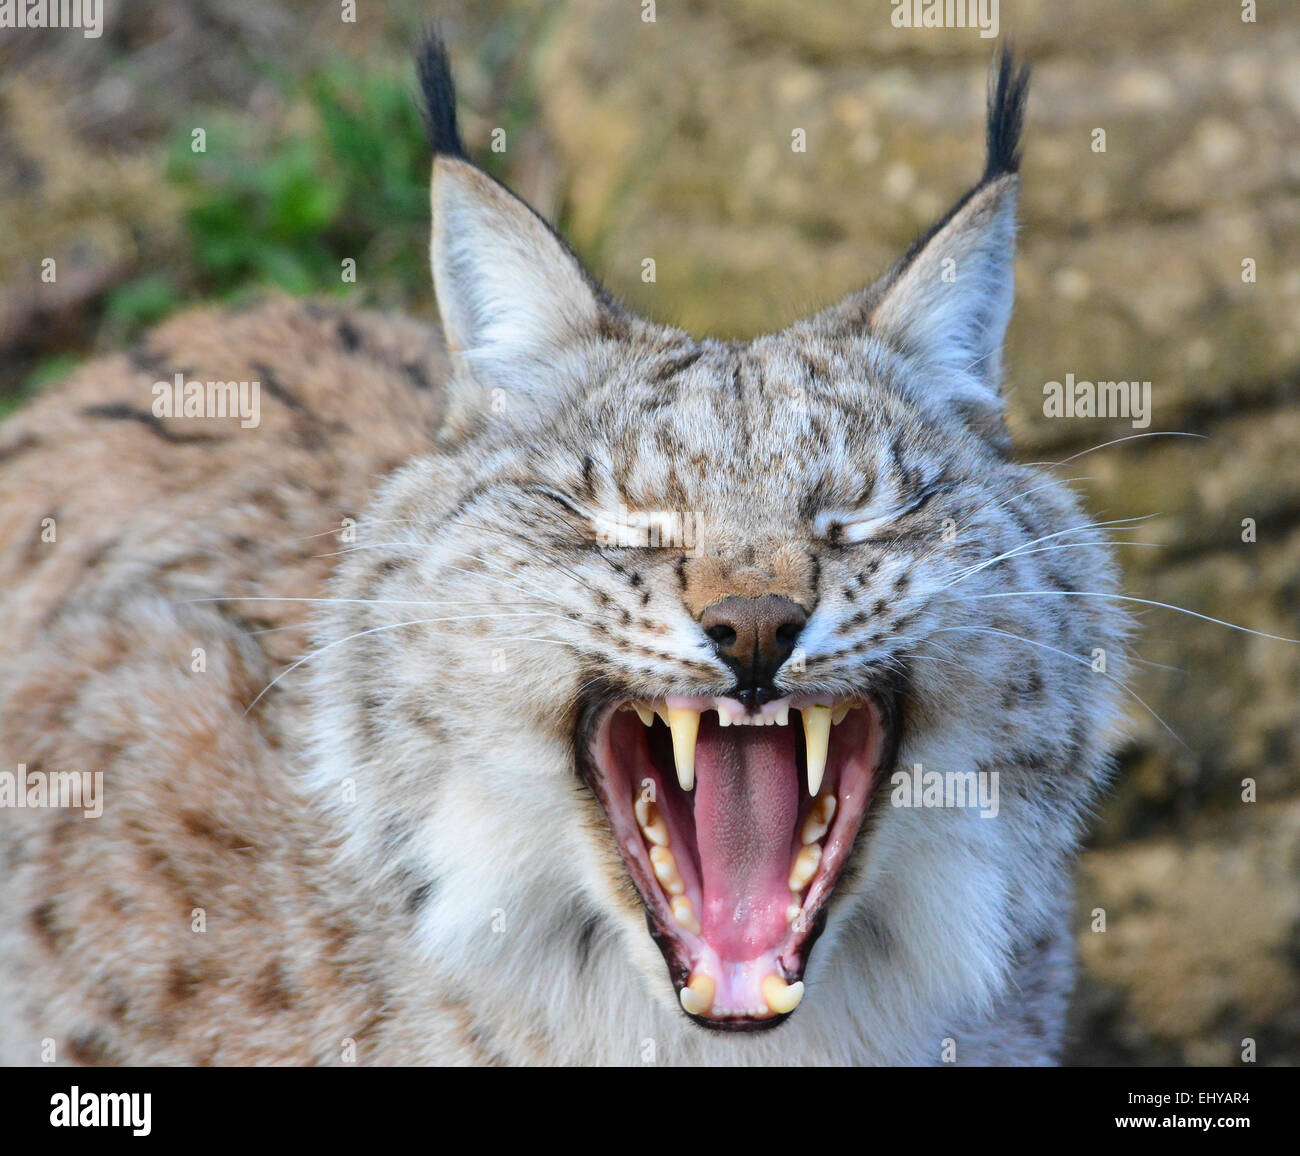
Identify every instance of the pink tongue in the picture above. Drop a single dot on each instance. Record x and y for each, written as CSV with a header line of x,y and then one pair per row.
x,y
746,805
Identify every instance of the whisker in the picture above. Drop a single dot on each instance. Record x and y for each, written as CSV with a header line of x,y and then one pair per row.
x,y
1117,441
377,629
1127,598
1021,551
1073,658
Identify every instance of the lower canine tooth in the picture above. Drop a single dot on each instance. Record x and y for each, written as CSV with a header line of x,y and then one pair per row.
x,y
817,737
697,996
684,913
651,822
782,997
804,868
685,725
665,868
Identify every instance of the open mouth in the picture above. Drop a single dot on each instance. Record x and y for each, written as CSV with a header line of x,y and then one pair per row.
x,y
735,824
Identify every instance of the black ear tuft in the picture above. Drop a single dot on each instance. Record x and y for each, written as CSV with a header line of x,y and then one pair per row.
x,y
1008,92
439,97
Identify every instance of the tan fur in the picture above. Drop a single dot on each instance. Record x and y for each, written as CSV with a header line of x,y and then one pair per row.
x,y
95,675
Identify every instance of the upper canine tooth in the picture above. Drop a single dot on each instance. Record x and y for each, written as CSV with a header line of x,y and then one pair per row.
x,y
817,737
818,821
782,997
839,712
801,871
665,868
685,725
651,822
644,713
697,996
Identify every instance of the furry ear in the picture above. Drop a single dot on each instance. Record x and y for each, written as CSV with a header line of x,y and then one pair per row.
x,y
511,294
947,302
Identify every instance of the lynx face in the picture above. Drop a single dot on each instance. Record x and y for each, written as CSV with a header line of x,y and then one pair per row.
x,y
643,643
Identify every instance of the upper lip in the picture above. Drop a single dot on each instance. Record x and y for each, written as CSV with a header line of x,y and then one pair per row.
x,y
735,963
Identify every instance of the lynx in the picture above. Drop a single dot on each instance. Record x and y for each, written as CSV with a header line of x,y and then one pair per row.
x,y
427,736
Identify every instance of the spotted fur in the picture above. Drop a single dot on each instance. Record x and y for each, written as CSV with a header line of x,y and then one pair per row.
x,y
394,844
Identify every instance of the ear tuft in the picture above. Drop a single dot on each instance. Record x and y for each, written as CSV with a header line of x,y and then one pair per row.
x,y
439,91
1008,93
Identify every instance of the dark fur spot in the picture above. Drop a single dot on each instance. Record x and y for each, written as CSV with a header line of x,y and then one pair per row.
x,y
202,827
116,411
21,446
672,368
586,938
418,896
47,930
418,376
349,335
183,982
90,1048
273,990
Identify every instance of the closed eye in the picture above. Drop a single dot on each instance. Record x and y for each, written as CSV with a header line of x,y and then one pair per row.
x,y
865,526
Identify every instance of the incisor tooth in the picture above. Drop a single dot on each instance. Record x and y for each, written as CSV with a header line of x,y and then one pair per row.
x,y
651,822
665,868
804,868
644,713
782,997
697,996
685,725
817,737
818,820
684,913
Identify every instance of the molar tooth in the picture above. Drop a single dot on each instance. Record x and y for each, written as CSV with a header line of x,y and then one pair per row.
x,y
840,711
792,912
651,822
644,713
665,868
781,997
684,913
818,820
803,869
685,725
697,996
817,737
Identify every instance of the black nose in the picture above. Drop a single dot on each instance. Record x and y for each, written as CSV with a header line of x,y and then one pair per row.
x,y
754,636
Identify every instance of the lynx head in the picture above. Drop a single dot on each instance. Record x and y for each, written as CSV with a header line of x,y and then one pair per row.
x,y
641,643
